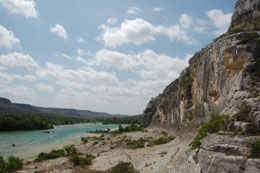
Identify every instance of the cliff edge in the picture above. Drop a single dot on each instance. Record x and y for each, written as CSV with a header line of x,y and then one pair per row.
x,y
223,78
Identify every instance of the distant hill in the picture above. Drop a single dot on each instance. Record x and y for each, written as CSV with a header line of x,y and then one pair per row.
x,y
8,108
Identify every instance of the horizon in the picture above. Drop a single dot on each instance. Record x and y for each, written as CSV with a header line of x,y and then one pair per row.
x,y
101,56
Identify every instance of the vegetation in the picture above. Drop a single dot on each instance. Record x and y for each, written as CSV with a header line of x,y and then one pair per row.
x,y
121,120
124,167
250,38
136,143
132,128
255,148
244,113
12,164
84,140
187,84
254,70
51,155
77,160
33,122
70,150
215,124
161,140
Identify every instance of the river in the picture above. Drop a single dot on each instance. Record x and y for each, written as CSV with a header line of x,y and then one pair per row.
x,y
28,144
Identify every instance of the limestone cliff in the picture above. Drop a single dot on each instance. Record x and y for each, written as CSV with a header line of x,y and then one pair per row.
x,y
218,79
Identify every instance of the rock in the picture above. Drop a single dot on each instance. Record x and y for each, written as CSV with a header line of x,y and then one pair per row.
x,y
252,166
245,11
244,126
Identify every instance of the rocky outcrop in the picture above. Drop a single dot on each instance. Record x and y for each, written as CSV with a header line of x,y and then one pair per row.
x,y
218,79
245,11
225,153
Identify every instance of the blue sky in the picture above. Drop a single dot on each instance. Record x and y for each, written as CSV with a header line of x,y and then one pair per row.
x,y
101,55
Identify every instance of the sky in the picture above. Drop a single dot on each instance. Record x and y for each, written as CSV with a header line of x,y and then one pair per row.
x,y
101,55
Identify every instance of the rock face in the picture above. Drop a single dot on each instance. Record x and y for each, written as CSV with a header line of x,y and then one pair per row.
x,y
218,79
246,11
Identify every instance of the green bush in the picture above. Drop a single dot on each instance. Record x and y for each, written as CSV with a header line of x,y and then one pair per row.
x,y
215,124
235,30
124,167
250,38
12,164
254,70
2,165
84,140
243,113
77,160
161,140
51,155
255,148
70,149
136,143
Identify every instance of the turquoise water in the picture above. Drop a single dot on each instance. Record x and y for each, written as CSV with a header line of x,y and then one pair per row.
x,y
29,144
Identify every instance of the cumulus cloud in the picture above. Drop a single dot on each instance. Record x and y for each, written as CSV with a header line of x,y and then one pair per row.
x,y
112,21
60,31
81,52
45,88
139,31
7,38
133,10
18,60
156,9
185,21
81,40
220,20
23,7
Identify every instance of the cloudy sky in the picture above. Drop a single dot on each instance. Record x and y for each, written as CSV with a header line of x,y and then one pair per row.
x,y
101,55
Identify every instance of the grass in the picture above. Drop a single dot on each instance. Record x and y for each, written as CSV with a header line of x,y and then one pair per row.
x,y
161,140
215,124
124,167
70,150
254,145
136,143
51,155
77,160
244,113
12,164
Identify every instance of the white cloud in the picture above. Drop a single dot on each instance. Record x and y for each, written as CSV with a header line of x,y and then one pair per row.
x,y
220,20
18,60
60,31
81,52
7,38
185,21
23,7
156,9
133,10
81,40
45,88
139,31
119,60
112,21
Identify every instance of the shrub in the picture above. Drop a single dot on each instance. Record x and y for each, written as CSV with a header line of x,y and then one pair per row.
x,y
14,163
161,140
51,155
70,149
254,70
250,38
235,30
124,167
77,160
165,133
255,148
215,124
84,140
243,113
136,143
2,165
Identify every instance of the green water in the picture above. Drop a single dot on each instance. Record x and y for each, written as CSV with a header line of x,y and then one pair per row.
x,y
29,144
